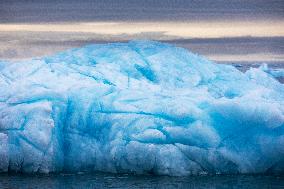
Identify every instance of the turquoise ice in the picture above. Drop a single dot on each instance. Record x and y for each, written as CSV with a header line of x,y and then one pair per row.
x,y
139,107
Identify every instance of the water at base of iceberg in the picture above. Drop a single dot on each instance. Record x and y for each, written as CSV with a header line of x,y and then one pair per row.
x,y
125,181
141,107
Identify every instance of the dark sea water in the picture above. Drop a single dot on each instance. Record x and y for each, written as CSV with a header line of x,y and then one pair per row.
x,y
102,180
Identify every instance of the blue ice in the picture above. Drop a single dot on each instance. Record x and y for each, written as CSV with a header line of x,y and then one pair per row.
x,y
139,107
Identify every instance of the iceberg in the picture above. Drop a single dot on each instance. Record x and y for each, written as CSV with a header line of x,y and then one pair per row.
x,y
141,107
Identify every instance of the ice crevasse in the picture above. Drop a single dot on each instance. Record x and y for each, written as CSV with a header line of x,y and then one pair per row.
x,y
139,107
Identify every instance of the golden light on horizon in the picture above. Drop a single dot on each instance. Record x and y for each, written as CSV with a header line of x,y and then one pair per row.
x,y
172,29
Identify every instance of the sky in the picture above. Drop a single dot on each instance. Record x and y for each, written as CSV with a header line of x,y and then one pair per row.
x,y
223,30
138,10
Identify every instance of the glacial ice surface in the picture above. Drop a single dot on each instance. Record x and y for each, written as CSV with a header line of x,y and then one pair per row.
x,y
139,107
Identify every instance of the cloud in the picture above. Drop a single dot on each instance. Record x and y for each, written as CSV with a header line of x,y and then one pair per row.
x,y
174,29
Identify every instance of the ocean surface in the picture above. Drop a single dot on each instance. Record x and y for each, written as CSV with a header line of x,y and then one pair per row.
x,y
102,180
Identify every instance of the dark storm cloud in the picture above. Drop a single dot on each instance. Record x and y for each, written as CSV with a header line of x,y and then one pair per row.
x,y
137,10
